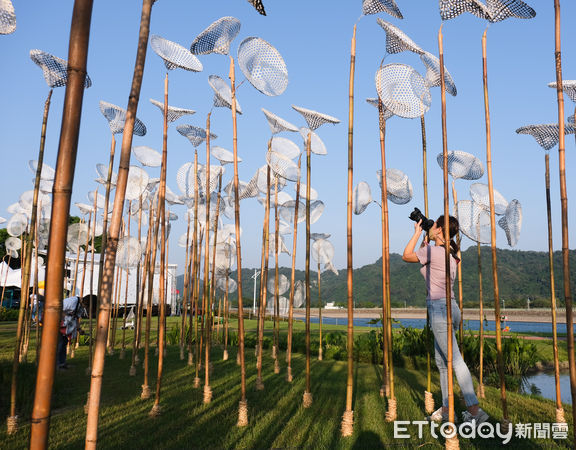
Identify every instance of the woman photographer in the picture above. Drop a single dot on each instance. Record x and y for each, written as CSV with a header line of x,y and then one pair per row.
x,y
433,267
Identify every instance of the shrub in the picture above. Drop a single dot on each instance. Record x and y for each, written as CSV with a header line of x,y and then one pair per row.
x,y
8,314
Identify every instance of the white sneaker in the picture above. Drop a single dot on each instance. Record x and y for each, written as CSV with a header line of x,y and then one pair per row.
x,y
479,418
438,416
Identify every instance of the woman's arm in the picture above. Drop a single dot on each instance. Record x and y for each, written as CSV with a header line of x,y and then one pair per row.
x,y
409,255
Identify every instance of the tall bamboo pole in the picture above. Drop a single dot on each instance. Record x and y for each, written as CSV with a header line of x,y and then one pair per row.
x,y
194,298
347,426
123,345
319,312
481,393
91,301
112,239
276,285
499,356
564,203
76,73
206,291
185,296
307,398
459,273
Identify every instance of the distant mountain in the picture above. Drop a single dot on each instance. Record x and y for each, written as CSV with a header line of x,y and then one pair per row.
x,y
522,275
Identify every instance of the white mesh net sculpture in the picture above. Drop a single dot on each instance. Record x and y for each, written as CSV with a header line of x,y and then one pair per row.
x,y
17,224
285,146
84,208
432,76
223,155
13,244
313,192
222,93
403,90
137,183
174,55
361,197
261,182
102,172
100,199
282,166
214,174
386,113
317,145
171,198
287,211
55,70
511,222
314,119
77,236
449,9
257,4
547,135
129,252
398,186
277,124
47,173
462,165
147,156
174,113
316,210
7,17
283,283
299,294
217,37
568,86
26,200
474,221
504,9
316,236
2,220
322,251
397,41
263,66
479,194
378,6
194,134
282,248
116,117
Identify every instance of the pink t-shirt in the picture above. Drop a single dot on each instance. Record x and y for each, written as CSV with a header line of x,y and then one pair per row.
x,y
432,258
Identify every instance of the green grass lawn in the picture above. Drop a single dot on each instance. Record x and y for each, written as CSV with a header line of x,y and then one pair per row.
x,y
276,417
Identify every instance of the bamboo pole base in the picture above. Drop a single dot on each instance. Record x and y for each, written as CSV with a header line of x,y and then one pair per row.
x,y
12,424
276,366
225,355
289,374
146,392
259,384
274,352
156,351
190,359
428,402
560,415
181,353
207,394
87,402
197,382
110,351
505,425
122,354
256,350
307,400
480,392
320,354
391,413
242,413
132,371
136,358
155,411
347,426
238,358
452,443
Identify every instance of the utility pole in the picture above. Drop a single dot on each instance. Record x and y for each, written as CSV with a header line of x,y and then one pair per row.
x,y
255,277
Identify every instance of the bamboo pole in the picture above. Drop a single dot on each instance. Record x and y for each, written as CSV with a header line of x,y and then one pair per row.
x,y
5,278
206,288
112,237
347,426
320,312
213,284
459,273
123,345
276,348
139,294
564,204
481,393
194,298
499,355
307,398
185,297
76,73
91,301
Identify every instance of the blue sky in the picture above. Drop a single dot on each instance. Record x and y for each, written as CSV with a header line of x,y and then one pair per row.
x,y
314,39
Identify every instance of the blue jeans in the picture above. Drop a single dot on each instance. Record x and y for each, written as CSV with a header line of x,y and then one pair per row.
x,y
438,323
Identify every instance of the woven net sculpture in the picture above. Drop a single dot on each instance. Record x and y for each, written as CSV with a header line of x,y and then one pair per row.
x,y
100,200
26,199
503,9
314,119
283,283
47,173
479,194
449,9
396,40
285,147
195,135
222,93
217,37
511,222
17,224
316,236
262,185
7,17
432,76
116,117
2,220
316,210
282,166
568,87
174,55
299,294
282,248
277,124
214,175
317,145
263,66
223,155
147,156
129,252
84,208
55,70
386,113
77,236
462,165
474,221
174,113
398,186
546,135
377,6
137,183
362,197
257,4
303,195
403,91
287,211
322,251
12,245
102,172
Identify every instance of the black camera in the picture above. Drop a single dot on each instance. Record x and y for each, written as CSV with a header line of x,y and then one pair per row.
x,y
417,215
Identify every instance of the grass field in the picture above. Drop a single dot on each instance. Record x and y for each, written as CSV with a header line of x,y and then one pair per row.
x,y
276,417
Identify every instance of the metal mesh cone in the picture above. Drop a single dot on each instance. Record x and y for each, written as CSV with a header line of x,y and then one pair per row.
x,y
54,69
479,193
283,283
250,189
27,198
462,165
316,210
17,224
116,118
403,90
102,171
322,251
214,175
361,198
47,173
449,9
504,9
223,155
277,124
225,254
7,17
221,284
282,166
263,66
174,113
13,244
314,119
316,236
258,5
317,145
129,252
287,211
303,187
378,6
433,73
396,40
386,113
568,86
77,235
84,208
511,222
147,156
298,294
399,187
282,248
285,146
474,221
547,135
222,93
137,182
174,55
172,198
194,134
261,181
217,37
100,200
